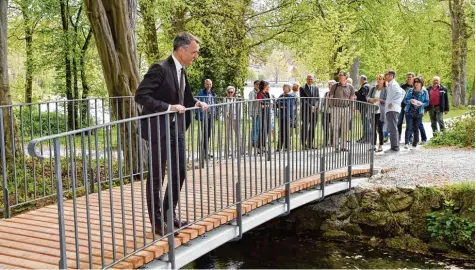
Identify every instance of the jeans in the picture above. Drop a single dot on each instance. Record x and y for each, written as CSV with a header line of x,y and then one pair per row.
x,y
413,124
255,131
365,125
422,132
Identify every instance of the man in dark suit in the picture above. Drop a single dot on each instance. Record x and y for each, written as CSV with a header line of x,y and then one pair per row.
x,y
309,95
165,88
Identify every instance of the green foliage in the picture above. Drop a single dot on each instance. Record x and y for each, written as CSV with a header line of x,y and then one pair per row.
x,y
34,124
450,226
460,133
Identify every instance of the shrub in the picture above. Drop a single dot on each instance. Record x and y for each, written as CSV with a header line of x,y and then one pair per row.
x,y
460,133
448,225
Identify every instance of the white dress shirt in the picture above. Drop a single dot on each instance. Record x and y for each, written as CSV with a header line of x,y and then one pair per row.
x,y
179,67
395,95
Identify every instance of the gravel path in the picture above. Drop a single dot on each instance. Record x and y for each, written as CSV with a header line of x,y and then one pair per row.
x,y
424,167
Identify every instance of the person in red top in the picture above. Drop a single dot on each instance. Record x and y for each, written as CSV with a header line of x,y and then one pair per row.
x,y
438,104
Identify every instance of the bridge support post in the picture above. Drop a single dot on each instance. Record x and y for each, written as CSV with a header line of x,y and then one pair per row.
x,y
6,201
322,167
59,196
287,178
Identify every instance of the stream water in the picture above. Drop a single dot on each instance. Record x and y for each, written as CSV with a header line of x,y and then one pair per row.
x,y
275,249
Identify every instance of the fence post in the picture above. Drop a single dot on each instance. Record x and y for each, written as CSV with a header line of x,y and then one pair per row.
x,y
6,201
351,146
372,139
287,178
323,174
59,195
239,220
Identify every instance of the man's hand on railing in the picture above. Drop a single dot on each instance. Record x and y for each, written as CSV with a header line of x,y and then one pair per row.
x,y
177,108
202,105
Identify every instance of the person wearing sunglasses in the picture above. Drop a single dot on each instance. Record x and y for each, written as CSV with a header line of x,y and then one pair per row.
x,y
416,100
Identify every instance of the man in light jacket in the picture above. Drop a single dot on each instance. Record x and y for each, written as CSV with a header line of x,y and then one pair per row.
x,y
395,95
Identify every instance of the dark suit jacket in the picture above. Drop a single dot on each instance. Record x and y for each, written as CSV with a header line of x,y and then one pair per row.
x,y
158,90
306,92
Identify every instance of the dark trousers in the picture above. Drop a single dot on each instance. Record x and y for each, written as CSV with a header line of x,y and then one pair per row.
x,y
422,132
264,127
284,126
436,117
308,127
366,123
413,124
156,175
327,128
401,116
378,130
207,128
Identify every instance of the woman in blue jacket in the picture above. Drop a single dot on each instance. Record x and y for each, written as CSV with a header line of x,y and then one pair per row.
x,y
416,100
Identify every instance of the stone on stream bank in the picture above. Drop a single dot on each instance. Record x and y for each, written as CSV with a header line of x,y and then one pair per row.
x,y
400,218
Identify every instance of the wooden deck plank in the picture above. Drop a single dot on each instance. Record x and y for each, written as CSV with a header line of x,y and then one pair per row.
x,y
34,234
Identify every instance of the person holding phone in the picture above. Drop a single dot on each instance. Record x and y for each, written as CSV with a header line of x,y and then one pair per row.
x,y
416,100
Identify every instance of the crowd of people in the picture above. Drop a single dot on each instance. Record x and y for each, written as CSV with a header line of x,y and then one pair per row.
x,y
394,103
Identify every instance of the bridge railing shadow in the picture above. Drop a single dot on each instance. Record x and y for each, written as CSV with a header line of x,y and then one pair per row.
x,y
115,174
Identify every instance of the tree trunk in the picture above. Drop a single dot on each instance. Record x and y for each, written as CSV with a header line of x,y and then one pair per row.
x,y
471,100
151,43
11,145
29,53
456,11
354,73
464,64
116,47
67,63
84,83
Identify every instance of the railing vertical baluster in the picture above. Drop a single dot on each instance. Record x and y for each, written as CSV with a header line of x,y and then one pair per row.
x,y
14,161
239,220
59,196
287,179
373,131
351,146
4,168
170,215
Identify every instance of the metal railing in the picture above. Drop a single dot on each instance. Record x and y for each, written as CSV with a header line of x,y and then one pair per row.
x,y
119,208
27,182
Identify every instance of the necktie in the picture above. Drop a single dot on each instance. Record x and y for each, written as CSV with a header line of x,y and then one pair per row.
x,y
181,92
181,85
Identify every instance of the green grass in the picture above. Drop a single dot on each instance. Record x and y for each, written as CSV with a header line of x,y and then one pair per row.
x,y
452,113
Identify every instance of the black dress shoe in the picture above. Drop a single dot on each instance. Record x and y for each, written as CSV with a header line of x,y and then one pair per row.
x,y
158,229
181,223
